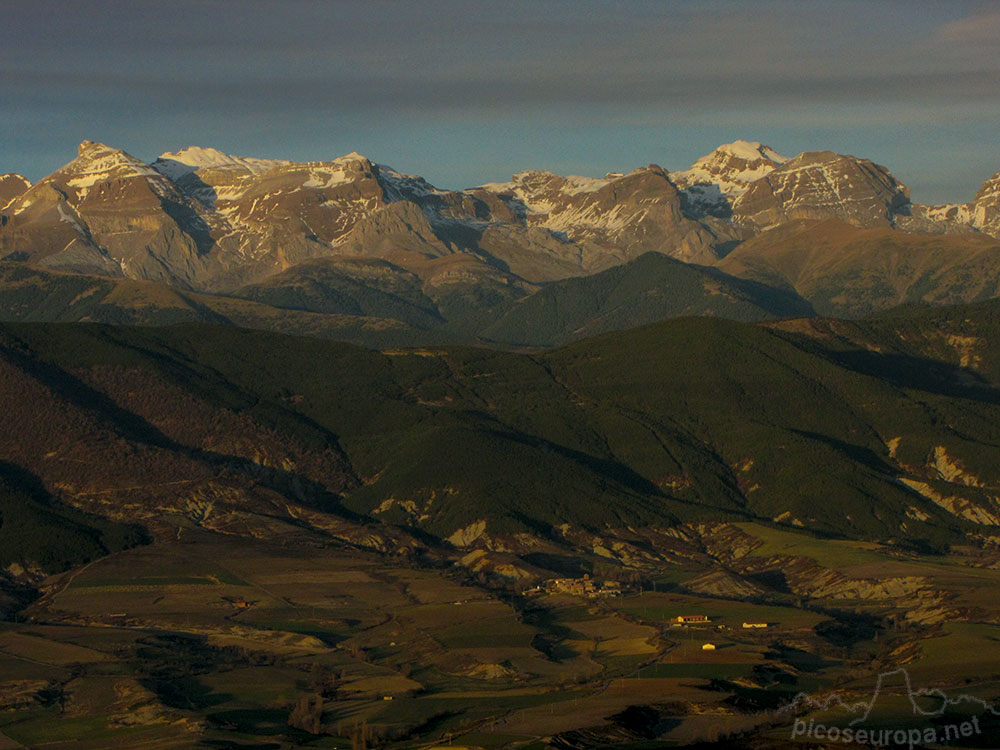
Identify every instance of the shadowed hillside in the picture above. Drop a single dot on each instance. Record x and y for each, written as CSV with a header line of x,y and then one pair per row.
x,y
682,420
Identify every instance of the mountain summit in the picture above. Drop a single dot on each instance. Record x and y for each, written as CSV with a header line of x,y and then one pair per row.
x,y
714,180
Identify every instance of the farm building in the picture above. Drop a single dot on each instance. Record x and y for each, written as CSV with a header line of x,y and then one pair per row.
x,y
755,624
690,619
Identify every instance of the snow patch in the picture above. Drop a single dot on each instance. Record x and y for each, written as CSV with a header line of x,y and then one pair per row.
x,y
327,178
177,164
751,151
68,218
401,186
576,184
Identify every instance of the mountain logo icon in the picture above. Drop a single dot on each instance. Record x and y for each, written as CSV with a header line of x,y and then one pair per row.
x,y
924,702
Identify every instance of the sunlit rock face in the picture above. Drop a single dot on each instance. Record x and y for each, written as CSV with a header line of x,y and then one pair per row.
x,y
822,185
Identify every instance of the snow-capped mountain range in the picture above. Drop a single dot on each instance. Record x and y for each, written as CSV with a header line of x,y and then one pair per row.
x,y
204,220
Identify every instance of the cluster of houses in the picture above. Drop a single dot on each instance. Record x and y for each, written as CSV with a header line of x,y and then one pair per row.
x,y
585,586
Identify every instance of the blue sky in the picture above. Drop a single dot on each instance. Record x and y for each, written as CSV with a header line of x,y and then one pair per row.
x,y
470,92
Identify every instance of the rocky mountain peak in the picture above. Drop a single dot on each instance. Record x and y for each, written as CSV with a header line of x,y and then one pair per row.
x,y
529,177
714,180
354,156
98,162
541,183
108,212
734,164
639,210
86,146
822,185
989,189
91,153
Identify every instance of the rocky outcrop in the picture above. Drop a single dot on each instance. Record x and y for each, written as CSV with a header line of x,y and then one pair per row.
x,y
984,510
950,218
465,537
11,186
985,208
743,571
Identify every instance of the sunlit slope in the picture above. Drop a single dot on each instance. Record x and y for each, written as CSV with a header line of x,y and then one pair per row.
x,y
848,271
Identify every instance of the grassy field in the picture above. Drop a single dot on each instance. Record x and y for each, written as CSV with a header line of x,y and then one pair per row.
x,y
963,652
663,609
344,625
830,553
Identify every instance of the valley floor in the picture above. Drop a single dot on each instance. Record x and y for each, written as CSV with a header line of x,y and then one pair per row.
x,y
206,640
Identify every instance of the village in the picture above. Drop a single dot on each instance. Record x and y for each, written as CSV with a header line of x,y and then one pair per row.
x,y
585,586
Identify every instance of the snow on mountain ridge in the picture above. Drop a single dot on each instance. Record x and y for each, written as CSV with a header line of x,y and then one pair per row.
x,y
234,219
752,150
97,160
177,164
721,176
97,163
731,166
400,185
522,183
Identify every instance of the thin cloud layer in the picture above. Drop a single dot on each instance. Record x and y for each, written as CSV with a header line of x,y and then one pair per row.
x,y
982,28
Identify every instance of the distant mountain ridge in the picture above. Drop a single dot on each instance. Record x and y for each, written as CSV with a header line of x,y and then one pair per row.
x,y
204,221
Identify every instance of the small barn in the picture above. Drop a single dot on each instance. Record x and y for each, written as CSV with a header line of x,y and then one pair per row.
x,y
689,619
